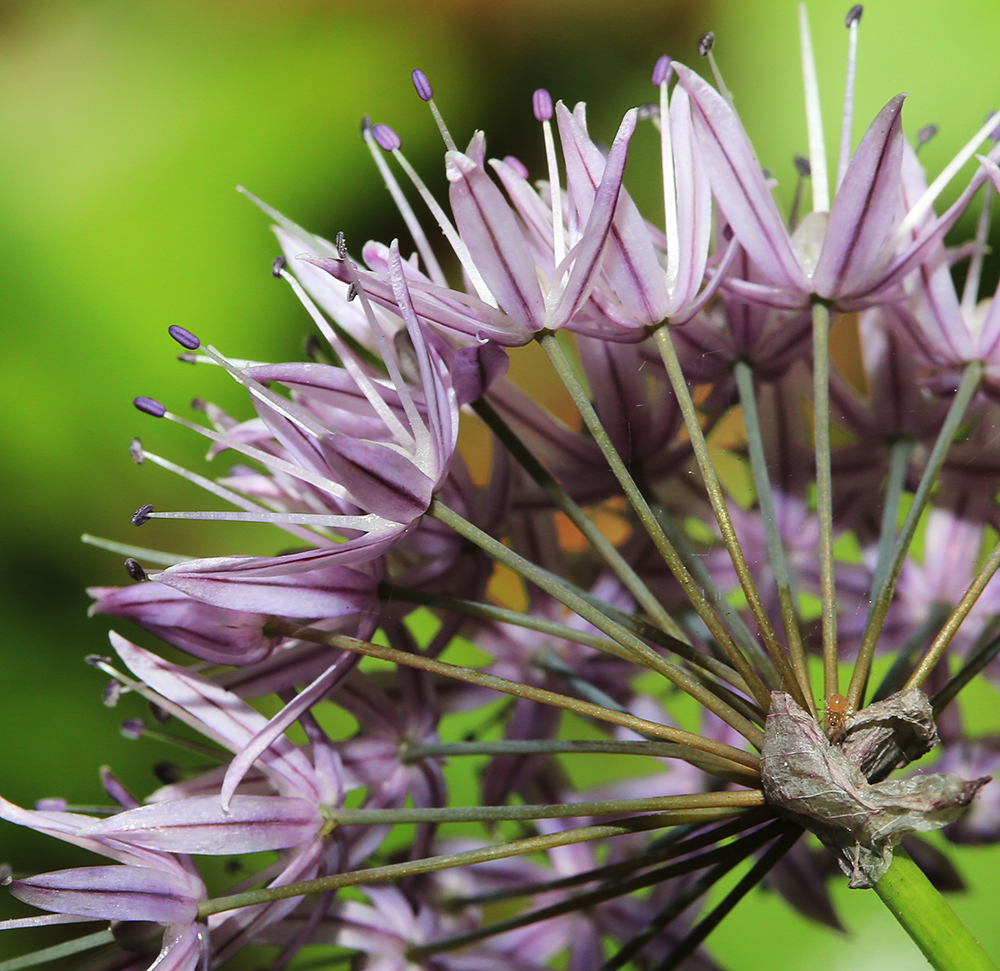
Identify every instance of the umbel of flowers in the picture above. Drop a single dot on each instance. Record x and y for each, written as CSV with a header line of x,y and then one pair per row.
x,y
549,614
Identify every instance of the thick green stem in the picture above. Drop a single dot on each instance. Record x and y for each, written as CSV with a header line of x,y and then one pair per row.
x,y
927,917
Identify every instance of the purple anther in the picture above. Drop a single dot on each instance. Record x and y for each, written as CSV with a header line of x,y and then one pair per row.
x,y
135,451
853,15
705,44
423,86
168,773
278,266
802,166
517,165
541,105
133,728
150,406
135,571
184,337
53,804
141,515
662,70
111,694
926,134
341,243
385,138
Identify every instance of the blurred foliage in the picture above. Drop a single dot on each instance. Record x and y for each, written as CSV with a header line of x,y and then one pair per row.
x,y
125,126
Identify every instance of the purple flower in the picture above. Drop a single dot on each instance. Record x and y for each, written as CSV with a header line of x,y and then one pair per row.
x,y
144,885
852,256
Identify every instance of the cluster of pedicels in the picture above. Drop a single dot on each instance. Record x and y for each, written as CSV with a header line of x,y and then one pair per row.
x,y
602,570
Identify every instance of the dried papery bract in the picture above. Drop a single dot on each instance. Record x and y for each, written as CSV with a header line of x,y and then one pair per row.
x,y
822,787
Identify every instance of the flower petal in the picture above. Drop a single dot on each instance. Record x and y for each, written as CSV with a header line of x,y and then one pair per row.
x,y
199,824
111,893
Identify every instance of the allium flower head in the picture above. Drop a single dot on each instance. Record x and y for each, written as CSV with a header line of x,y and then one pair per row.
x,y
669,584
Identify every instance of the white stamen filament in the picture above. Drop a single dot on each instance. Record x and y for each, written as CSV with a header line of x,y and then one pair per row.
x,y
264,458
158,557
227,495
287,409
319,245
450,233
431,264
241,363
670,225
970,295
370,523
367,387
814,118
555,195
848,117
926,201
416,439
720,84
178,711
449,142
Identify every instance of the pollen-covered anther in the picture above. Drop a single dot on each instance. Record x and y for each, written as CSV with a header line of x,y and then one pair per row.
x,y
150,406
184,337
706,43
135,451
112,692
141,515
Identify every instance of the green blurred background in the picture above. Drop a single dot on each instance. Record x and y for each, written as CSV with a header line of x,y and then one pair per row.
x,y
124,127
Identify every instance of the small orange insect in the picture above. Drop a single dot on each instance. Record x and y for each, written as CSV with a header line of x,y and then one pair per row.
x,y
836,712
